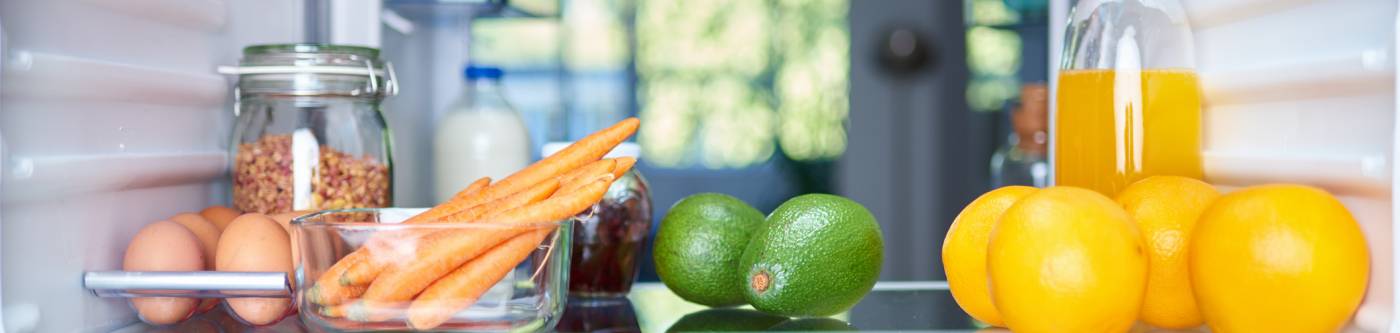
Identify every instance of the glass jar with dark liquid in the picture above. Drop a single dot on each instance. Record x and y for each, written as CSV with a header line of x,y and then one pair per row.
x,y
609,238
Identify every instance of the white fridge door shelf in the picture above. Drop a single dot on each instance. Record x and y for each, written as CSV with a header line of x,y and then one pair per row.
x,y
114,117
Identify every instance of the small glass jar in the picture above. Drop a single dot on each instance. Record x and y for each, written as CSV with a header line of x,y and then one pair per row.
x,y
1021,160
608,239
309,133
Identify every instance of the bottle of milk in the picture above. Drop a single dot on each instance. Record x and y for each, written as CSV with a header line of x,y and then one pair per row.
x,y
481,135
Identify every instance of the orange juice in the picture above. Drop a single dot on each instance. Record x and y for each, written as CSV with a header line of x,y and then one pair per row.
x,y
1112,129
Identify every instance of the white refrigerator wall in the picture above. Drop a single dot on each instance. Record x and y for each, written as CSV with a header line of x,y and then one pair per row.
x,y
113,117
1303,91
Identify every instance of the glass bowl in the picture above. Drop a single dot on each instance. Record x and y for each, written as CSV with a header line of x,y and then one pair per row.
x,y
529,297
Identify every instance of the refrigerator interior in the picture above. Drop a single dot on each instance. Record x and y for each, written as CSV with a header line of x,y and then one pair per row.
x,y
103,130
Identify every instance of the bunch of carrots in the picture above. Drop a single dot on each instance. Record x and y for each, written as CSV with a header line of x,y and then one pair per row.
x,y
444,271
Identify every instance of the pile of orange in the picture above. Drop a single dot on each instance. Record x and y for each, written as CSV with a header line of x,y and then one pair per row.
x,y
1169,251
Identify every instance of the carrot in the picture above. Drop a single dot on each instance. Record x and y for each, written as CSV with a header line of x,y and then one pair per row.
x,y
361,311
585,177
435,256
580,182
583,151
446,250
336,311
398,284
530,195
380,253
358,311
366,271
353,272
328,289
472,188
462,287
596,167
624,164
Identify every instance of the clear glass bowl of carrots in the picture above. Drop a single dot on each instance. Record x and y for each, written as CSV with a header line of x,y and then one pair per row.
x,y
519,283
494,257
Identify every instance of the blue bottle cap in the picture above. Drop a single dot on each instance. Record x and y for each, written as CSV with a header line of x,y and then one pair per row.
x,y
482,72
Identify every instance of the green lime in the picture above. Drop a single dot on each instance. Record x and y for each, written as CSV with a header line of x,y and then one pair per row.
x,y
817,255
698,246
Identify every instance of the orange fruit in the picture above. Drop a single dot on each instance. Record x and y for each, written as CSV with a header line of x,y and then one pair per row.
x,y
1278,258
1165,209
1066,259
965,251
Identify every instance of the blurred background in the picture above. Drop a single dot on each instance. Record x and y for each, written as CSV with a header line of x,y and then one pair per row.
x,y
901,106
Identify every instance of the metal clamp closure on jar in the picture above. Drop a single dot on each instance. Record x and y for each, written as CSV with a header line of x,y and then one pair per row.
x,y
314,70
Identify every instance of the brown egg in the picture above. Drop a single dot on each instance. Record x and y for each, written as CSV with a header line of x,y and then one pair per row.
x,y
227,323
163,246
208,235
255,243
196,324
285,219
220,216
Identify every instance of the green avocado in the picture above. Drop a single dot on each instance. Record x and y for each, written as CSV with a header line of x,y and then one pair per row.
x,y
817,255
698,246
725,320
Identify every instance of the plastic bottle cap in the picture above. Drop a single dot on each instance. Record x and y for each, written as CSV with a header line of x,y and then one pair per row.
x,y
473,72
625,149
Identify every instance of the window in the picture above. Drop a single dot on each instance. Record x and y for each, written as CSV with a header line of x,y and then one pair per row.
x,y
993,54
727,84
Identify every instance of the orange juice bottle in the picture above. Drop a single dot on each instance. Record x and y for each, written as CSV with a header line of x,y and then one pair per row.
x,y
1128,104
1105,141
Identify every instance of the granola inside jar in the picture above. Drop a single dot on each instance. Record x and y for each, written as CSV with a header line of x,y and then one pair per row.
x,y
310,134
